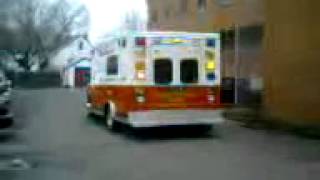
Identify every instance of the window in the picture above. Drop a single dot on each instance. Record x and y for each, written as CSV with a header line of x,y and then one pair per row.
x,y
202,4
189,71
112,65
163,71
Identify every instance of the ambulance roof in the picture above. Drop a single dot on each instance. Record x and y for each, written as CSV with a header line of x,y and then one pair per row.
x,y
160,34
175,33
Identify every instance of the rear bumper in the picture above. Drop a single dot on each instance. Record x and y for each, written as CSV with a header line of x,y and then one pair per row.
x,y
158,118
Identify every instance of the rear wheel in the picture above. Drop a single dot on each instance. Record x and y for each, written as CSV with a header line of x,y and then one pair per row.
x,y
110,113
89,106
6,123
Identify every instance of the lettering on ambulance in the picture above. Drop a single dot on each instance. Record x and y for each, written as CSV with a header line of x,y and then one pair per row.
x,y
174,97
159,97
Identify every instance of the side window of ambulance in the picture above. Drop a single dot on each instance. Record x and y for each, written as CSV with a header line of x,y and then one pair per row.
x,y
112,65
189,71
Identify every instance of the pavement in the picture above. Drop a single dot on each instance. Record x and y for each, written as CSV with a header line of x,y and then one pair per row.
x,y
54,139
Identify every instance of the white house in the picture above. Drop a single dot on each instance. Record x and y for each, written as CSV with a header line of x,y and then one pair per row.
x,y
76,68
77,73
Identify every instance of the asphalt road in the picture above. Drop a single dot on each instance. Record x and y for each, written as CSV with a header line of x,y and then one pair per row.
x,y
55,140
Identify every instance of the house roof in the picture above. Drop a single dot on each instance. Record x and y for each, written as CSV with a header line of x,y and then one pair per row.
x,y
75,62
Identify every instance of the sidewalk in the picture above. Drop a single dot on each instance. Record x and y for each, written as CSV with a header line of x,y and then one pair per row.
x,y
256,118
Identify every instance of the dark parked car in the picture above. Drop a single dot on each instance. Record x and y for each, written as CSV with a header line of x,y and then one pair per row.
x,y
6,117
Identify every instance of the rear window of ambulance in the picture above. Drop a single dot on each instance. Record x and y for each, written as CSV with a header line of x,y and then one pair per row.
x,y
163,71
189,71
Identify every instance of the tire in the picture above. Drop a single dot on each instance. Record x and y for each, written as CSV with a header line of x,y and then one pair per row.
x,y
90,114
110,113
6,123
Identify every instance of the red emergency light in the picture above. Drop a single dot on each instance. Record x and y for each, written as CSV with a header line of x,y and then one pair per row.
x,y
140,41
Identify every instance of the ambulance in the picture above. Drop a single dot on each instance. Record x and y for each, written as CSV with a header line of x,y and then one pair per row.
x,y
155,79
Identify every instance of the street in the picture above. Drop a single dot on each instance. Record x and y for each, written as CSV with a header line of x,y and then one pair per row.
x,y
59,142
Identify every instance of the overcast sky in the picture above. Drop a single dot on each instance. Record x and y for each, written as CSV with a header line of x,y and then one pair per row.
x,y
106,15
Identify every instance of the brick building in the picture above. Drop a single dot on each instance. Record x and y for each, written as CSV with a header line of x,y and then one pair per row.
x,y
292,76
204,15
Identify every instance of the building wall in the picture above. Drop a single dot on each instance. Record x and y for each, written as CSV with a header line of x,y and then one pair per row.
x,y
186,15
219,16
292,44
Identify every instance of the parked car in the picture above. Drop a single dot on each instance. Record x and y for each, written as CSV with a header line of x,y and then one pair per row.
x,y
6,116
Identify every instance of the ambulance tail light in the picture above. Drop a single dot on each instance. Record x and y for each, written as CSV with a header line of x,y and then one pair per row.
x,y
210,66
140,99
140,95
211,98
210,70
141,75
211,95
140,41
140,68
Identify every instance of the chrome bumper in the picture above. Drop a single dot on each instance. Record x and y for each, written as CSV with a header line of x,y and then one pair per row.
x,y
158,118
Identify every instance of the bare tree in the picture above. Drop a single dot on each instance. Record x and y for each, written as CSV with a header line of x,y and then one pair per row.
x,y
44,27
